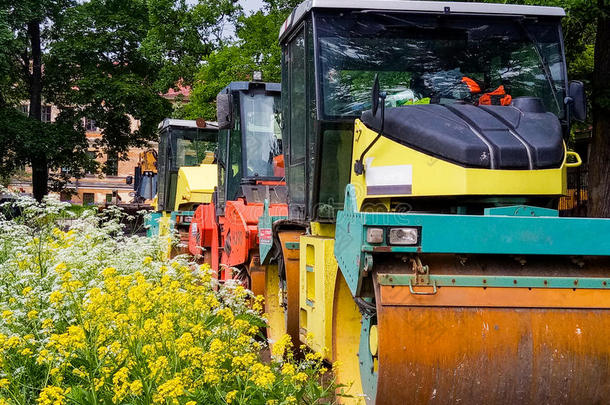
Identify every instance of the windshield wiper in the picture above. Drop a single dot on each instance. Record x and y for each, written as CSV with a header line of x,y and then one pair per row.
x,y
543,61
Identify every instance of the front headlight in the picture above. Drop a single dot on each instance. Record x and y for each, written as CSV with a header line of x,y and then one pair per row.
x,y
403,236
374,235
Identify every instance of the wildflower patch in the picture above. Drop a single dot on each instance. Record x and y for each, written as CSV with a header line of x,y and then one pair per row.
x,y
90,315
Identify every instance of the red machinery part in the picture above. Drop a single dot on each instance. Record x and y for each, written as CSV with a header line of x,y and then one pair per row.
x,y
240,233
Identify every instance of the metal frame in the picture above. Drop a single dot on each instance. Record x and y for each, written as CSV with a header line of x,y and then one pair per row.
x,y
450,280
445,7
471,234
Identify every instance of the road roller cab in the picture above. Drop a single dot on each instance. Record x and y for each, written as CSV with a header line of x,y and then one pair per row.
x,y
423,248
186,173
250,170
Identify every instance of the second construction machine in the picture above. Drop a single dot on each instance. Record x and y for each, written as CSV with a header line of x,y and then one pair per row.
x,y
422,244
250,169
186,174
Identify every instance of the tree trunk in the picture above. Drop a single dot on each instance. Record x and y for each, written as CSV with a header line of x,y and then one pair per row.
x,y
599,162
40,170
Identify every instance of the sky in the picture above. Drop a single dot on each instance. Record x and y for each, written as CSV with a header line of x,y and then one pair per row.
x,y
251,5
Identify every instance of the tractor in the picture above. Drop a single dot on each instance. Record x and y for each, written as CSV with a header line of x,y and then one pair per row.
x,y
250,169
425,153
186,175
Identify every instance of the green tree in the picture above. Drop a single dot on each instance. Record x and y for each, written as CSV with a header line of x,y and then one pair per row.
x,y
256,47
587,35
599,169
106,60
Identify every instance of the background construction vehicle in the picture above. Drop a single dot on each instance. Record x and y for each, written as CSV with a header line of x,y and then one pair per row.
x,y
250,170
423,245
145,177
186,174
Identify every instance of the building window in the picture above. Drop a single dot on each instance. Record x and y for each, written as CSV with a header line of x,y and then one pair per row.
x,y
24,108
88,198
112,165
46,113
90,125
93,156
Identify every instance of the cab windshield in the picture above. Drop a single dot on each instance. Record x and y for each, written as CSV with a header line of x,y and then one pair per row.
x,y
425,59
191,146
262,135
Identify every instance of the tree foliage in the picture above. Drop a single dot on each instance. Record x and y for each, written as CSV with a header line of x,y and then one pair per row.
x,y
256,47
106,60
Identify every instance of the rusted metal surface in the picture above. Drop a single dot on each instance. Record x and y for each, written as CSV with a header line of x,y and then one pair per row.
x,y
466,345
442,355
257,276
291,268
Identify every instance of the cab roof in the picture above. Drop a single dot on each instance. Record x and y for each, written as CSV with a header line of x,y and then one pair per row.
x,y
245,86
172,122
440,7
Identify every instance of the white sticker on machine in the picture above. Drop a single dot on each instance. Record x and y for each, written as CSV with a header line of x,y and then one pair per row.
x,y
388,180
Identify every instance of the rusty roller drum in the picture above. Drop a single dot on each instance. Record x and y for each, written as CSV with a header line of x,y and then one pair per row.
x,y
479,345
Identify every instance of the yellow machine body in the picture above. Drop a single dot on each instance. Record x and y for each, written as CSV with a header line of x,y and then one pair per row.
x,y
195,185
429,176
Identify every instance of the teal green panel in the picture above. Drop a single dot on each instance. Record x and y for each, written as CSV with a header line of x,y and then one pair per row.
x,y
522,211
349,237
449,280
152,224
265,237
368,375
537,232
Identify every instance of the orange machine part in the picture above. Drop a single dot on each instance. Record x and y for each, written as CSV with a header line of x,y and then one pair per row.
x,y
240,232
493,346
291,267
201,229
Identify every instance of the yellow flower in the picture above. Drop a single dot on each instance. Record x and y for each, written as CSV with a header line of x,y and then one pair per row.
x,y
51,395
262,375
47,324
56,297
300,377
26,291
231,396
147,260
291,400
281,345
26,352
4,382
288,369
109,272
33,314
7,314
136,387
171,389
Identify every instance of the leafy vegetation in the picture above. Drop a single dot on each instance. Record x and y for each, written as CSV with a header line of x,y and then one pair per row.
x,y
90,315
255,47
104,60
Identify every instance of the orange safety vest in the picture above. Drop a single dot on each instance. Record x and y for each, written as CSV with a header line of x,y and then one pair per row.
x,y
496,97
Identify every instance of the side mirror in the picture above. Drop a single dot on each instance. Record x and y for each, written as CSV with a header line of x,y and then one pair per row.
x,y
578,100
223,111
375,95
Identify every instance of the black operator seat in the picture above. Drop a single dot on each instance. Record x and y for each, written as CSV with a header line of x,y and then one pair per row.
x,y
520,136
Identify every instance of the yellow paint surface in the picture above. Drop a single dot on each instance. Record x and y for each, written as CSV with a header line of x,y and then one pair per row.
x,y
436,177
195,184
